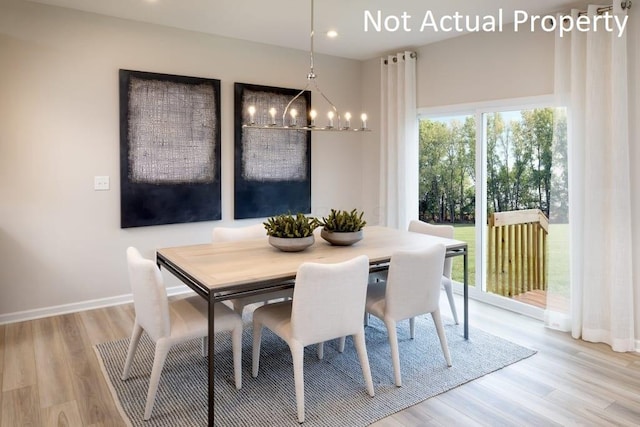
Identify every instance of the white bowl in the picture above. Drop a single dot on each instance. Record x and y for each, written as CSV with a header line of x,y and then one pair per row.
x,y
342,238
295,244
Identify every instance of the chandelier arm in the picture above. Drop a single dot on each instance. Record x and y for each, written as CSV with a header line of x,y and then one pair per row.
x,y
286,109
335,110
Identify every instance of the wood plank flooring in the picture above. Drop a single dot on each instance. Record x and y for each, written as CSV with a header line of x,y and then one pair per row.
x,y
541,299
50,377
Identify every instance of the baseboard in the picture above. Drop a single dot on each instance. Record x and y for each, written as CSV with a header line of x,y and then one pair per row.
x,y
75,307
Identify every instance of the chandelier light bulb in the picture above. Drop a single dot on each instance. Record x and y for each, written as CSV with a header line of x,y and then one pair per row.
x,y
363,117
252,114
313,114
330,115
294,116
347,118
272,112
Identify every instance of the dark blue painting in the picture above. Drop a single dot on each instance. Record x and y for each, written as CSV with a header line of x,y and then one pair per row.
x,y
272,166
169,149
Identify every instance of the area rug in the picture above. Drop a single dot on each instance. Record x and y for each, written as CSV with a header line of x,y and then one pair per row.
x,y
335,393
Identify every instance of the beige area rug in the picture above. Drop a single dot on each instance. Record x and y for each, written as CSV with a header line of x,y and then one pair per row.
x,y
334,388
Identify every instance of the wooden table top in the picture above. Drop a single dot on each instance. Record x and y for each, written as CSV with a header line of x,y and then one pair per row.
x,y
226,266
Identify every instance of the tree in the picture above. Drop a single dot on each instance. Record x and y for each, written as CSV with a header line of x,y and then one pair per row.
x,y
495,127
538,125
447,170
525,165
433,137
559,201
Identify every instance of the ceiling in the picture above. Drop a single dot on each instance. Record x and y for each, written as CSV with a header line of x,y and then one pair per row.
x,y
287,23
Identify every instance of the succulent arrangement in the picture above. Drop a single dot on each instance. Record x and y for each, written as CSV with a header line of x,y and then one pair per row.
x,y
289,226
343,221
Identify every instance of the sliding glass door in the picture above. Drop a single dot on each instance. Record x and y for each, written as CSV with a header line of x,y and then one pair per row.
x,y
499,176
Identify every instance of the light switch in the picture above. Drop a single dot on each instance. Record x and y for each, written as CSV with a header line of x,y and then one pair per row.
x,y
101,183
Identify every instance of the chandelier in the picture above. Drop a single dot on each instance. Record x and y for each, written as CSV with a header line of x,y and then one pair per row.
x,y
336,122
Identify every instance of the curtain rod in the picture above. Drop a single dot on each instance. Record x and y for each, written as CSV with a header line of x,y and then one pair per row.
x,y
395,57
625,4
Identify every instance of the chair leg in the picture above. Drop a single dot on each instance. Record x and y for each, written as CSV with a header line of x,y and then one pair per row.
x,y
162,349
236,343
437,320
446,283
205,346
257,338
297,354
361,348
412,327
341,343
238,306
395,353
131,352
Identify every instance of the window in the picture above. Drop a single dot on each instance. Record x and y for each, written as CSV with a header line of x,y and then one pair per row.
x,y
447,179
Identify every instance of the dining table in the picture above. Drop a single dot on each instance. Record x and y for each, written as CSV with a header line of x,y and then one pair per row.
x,y
227,270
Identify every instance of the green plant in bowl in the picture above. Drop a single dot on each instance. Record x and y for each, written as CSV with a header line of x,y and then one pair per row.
x,y
291,233
343,228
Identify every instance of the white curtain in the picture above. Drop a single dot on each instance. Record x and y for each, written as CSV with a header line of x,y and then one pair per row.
x,y
592,81
399,141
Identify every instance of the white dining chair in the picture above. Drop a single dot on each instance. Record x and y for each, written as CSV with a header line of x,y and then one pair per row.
x,y
438,230
328,303
446,231
168,323
231,234
412,288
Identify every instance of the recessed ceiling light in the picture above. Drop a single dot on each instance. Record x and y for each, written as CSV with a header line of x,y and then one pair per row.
x,y
332,34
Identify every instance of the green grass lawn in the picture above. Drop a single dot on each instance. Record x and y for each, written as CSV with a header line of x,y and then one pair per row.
x,y
466,233
558,255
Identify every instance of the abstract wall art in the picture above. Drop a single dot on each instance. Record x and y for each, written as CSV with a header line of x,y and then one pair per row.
x,y
169,149
272,167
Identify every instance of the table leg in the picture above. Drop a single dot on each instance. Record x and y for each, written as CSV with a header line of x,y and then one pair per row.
x,y
466,294
211,352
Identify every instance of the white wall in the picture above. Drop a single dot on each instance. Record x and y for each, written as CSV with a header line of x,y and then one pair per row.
x,y
60,241
484,67
371,141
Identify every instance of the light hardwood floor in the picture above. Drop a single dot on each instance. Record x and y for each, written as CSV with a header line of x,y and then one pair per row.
x,y
50,377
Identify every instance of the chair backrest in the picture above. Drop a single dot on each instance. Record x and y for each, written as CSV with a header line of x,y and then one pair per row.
x,y
439,230
413,283
149,295
329,300
231,234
